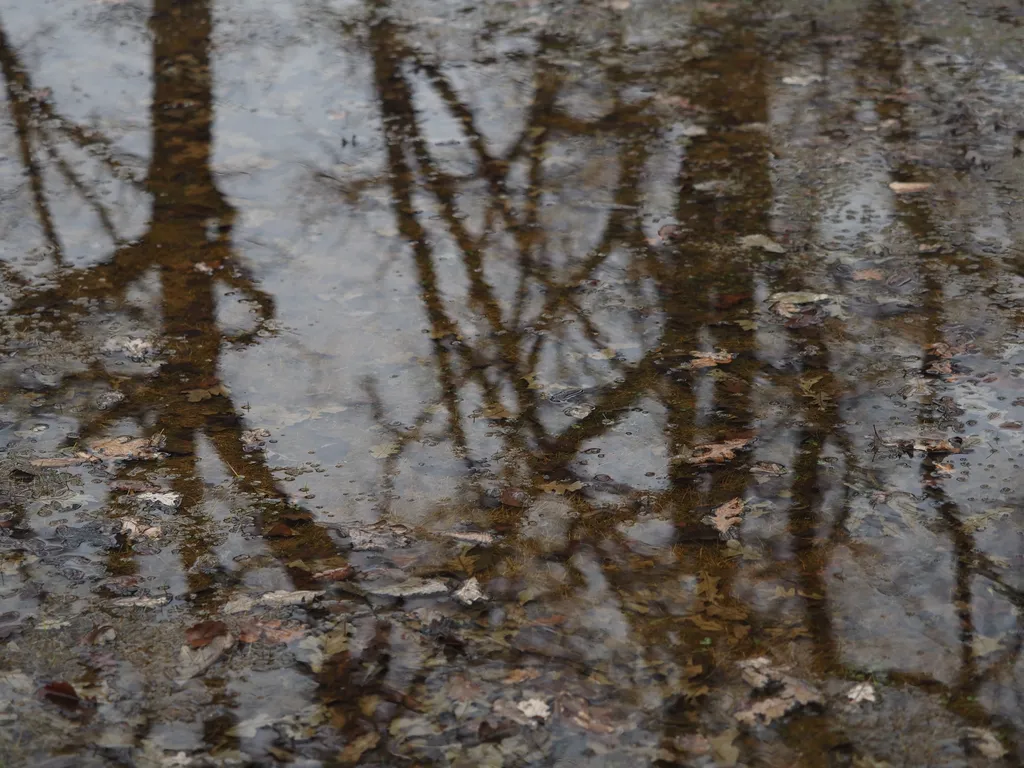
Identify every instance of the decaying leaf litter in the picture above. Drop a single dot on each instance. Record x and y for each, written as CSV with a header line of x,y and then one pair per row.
x,y
669,414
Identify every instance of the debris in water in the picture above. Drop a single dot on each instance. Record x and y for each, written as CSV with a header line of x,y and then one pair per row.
x,y
802,80
861,692
909,187
790,304
534,708
135,349
708,359
254,440
763,242
716,453
470,592
100,635
277,599
985,743
787,693
193,661
480,538
384,450
204,633
769,469
168,499
411,587
725,517
134,529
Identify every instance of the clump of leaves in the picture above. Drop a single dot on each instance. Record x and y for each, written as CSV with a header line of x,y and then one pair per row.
x,y
775,693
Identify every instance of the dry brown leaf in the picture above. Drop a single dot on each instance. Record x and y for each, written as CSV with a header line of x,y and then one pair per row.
x,y
725,516
708,359
127,448
578,711
205,632
198,395
561,488
868,274
62,461
195,661
271,630
789,693
496,411
521,675
355,749
909,187
716,453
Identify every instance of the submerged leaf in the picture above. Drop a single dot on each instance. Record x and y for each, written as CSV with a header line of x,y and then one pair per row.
x,y
561,488
725,517
195,661
411,587
470,592
205,632
763,242
716,453
909,187
126,448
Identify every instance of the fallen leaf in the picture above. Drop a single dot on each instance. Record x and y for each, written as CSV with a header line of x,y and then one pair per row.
x,y
469,592
763,242
936,445
861,692
496,411
271,630
279,531
384,450
534,708
198,395
578,711
62,694
790,304
726,751
478,538
340,573
725,516
983,645
868,274
985,742
411,587
168,499
355,749
708,359
335,642
194,661
802,80
100,635
769,468
716,453
513,497
140,602
378,537
135,529
788,693
205,632
561,488
126,448
909,187
277,599
61,461
521,676
253,439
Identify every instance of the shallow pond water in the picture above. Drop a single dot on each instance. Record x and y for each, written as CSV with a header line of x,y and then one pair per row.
x,y
511,383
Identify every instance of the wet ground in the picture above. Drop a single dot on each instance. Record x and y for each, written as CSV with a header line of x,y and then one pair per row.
x,y
614,383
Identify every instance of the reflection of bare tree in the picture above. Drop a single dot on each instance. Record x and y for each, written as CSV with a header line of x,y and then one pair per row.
x,y
189,245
